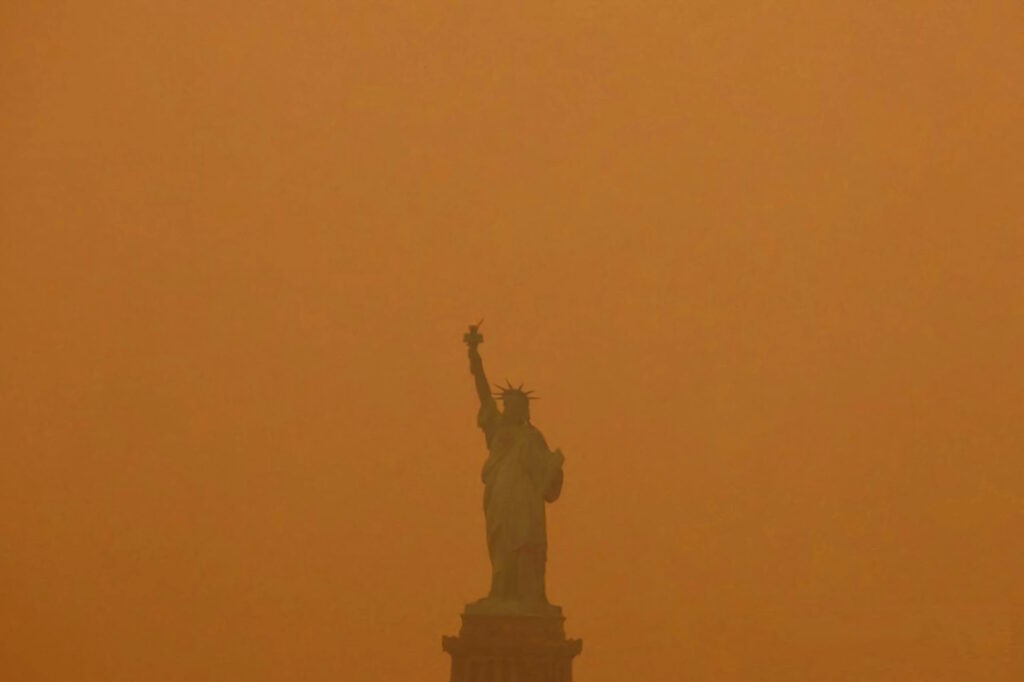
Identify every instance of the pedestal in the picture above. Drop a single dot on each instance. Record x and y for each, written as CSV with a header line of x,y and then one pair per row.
x,y
511,648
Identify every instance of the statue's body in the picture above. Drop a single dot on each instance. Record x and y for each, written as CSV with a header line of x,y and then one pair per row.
x,y
519,476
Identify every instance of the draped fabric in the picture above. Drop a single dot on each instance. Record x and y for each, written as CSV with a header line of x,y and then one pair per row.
x,y
520,474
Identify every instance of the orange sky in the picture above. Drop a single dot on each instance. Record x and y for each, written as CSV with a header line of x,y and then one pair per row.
x,y
761,260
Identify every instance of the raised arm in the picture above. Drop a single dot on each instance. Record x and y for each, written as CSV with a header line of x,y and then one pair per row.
x,y
473,338
476,368
488,417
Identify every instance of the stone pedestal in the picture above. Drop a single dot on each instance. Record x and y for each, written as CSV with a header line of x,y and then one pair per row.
x,y
511,648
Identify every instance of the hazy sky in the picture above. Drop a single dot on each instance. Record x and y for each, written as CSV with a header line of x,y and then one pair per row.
x,y
762,261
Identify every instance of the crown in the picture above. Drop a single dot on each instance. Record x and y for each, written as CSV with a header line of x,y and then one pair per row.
x,y
508,390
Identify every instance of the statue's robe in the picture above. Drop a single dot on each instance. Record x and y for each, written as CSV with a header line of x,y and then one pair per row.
x,y
521,474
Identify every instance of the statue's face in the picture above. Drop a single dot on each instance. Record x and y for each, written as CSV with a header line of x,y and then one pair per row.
x,y
517,409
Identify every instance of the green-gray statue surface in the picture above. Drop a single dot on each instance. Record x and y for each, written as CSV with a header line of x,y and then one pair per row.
x,y
520,475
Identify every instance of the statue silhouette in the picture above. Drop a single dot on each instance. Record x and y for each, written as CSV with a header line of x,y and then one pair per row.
x,y
521,474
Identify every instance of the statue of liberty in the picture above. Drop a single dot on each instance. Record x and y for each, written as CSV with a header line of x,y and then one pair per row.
x,y
520,475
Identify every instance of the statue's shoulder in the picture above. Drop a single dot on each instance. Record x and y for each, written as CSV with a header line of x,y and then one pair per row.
x,y
536,435
488,412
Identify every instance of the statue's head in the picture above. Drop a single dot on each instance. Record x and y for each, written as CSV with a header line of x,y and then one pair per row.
x,y
516,403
